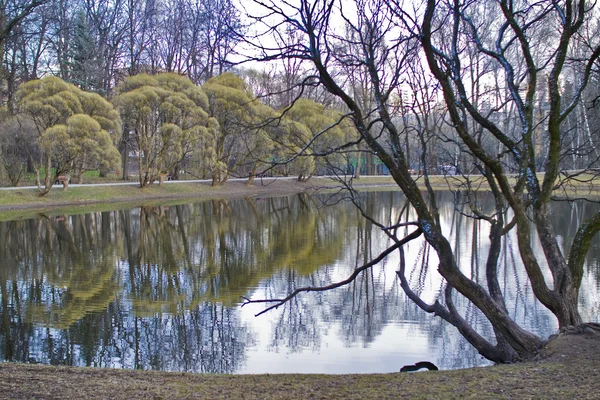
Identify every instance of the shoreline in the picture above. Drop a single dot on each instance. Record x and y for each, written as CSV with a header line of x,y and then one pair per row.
x,y
568,369
14,200
81,197
24,203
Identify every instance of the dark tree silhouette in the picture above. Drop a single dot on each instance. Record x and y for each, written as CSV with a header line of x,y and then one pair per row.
x,y
487,62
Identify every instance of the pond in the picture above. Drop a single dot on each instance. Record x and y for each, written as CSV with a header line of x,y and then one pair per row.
x,y
161,288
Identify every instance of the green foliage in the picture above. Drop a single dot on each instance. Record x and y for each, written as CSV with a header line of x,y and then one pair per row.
x,y
231,103
184,87
167,117
308,129
103,112
48,101
320,121
291,138
82,143
243,137
77,131
232,81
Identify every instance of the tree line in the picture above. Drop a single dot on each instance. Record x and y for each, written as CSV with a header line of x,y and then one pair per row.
x,y
169,124
63,60
95,43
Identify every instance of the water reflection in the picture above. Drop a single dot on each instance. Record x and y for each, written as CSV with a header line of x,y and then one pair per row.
x,y
160,287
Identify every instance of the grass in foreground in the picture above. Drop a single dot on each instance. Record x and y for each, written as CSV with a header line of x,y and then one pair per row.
x,y
521,381
569,369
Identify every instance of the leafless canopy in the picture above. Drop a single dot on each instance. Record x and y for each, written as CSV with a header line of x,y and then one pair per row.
x,y
499,88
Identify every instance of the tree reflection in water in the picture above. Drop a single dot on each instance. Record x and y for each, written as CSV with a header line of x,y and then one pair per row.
x,y
160,287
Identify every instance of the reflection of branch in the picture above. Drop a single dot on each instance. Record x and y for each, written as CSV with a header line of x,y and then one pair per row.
x,y
388,230
450,314
436,308
351,278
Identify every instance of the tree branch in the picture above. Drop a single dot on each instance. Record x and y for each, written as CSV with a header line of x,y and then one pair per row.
x,y
352,277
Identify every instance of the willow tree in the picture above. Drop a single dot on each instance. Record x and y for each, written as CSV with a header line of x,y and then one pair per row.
x,y
80,144
290,154
326,133
241,138
186,112
76,130
167,119
467,46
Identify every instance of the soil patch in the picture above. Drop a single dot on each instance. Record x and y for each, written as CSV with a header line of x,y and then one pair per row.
x,y
574,345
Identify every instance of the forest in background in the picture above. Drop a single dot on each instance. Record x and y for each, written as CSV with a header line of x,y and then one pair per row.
x,y
247,126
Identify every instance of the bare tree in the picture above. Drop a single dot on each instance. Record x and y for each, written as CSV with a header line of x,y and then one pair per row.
x,y
12,15
174,23
218,38
139,16
462,49
108,25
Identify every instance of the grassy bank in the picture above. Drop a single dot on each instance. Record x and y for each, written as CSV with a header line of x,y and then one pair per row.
x,y
20,203
94,198
560,376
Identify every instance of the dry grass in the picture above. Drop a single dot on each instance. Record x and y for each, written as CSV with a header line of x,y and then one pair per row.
x,y
551,379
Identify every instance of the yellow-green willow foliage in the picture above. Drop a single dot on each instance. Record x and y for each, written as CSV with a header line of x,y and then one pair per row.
x,y
312,130
76,130
242,143
165,114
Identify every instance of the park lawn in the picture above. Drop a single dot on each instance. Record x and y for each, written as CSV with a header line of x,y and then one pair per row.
x,y
24,203
547,380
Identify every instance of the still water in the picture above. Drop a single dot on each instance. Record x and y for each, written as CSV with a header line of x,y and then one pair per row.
x,y
162,287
